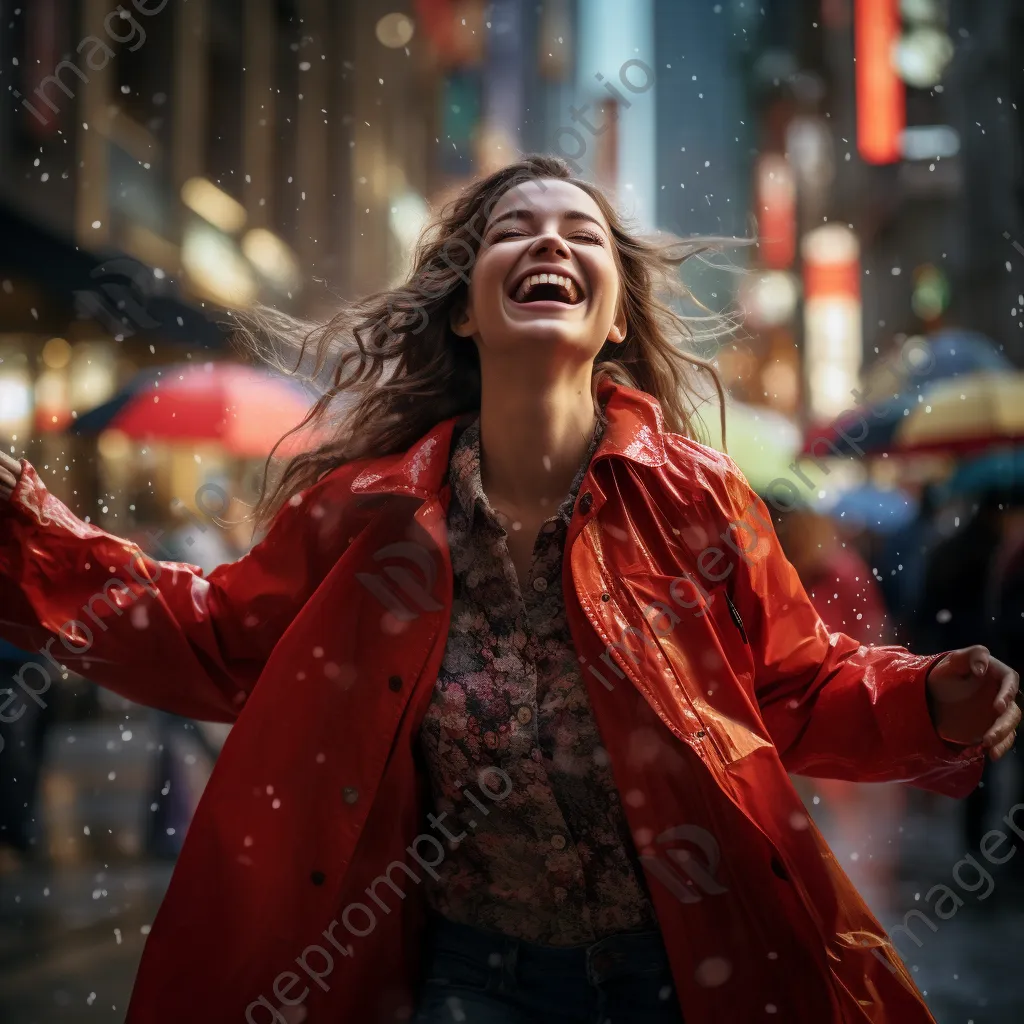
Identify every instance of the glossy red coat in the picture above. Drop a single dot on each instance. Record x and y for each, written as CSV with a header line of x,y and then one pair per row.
x,y
706,700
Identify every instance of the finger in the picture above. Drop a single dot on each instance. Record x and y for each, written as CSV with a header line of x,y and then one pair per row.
x,y
979,658
968,660
1008,687
7,478
1002,726
8,462
1003,748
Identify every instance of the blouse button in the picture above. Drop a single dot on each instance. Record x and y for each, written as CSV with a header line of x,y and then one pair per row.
x,y
540,584
558,842
350,794
524,714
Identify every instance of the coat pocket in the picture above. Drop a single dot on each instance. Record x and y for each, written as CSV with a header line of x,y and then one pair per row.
x,y
708,661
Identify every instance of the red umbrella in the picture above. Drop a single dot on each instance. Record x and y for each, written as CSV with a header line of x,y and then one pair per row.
x,y
243,408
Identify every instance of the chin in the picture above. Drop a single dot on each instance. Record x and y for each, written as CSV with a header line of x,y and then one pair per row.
x,y
551,333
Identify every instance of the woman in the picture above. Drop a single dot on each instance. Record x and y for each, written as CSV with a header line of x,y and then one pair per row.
x,y
519,671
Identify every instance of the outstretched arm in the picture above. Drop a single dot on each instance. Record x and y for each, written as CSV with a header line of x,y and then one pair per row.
x,y
159,633
834,707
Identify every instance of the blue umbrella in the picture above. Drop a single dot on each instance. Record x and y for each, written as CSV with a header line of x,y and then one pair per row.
x,y
953,352
872,508
1001,470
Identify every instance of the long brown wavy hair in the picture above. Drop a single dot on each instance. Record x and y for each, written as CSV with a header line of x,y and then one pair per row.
x,y
390,368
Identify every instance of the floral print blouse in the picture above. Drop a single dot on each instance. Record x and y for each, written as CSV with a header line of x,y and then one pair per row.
x,y
552,863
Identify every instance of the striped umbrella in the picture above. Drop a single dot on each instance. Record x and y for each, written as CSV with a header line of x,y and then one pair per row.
x,y
900,387
959,415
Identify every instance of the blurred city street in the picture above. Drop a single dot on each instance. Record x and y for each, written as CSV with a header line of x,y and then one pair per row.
x,y
72,930
846,178
71,936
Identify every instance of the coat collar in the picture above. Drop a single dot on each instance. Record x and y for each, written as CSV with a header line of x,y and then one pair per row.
x,y
467,484
635,431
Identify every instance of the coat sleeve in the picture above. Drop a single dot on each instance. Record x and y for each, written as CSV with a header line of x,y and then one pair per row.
x,y
833,707
159,633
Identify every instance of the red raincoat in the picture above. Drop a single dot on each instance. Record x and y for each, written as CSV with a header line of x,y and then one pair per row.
x,y
298,893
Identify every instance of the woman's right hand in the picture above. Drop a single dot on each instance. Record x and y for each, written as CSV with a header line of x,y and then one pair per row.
x,y
10,474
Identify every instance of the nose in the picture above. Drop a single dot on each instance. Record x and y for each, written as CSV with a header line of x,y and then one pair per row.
x,y
550,244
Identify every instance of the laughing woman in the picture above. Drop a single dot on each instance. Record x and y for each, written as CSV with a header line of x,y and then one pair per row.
x,y
519,672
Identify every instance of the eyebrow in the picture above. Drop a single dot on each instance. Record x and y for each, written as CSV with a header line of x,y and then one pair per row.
x,y
525,214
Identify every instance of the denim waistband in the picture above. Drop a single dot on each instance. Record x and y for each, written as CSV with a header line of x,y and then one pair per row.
x,y
615,956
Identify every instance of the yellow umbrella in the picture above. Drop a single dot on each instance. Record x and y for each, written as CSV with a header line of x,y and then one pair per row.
x,y
966,412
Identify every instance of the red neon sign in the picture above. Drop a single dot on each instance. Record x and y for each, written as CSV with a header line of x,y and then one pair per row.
x,y
881,100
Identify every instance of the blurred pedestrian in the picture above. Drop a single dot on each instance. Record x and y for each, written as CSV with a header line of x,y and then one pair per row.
x,y
1004,601
960,597
902,564
24,724
838,581
951,604
1005,590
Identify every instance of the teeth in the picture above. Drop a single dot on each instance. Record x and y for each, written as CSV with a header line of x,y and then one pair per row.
x,y
529,283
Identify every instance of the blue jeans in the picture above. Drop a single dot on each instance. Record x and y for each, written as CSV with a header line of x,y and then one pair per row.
x,y
478,977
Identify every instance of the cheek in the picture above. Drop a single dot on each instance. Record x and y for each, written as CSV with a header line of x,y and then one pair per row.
x,y
607,276
487,284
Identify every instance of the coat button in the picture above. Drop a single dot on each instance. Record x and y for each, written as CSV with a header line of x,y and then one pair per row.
x,y
350,794
558,842
395,683
585,502
317,877
780,869
524,714
540,584
606,597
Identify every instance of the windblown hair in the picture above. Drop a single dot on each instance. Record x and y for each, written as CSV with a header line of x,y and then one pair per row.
x,y
396,368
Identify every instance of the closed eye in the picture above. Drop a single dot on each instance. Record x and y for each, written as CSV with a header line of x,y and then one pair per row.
x,y
584,236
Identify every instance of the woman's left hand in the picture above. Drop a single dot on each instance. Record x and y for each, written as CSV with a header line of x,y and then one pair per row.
x,y
972,698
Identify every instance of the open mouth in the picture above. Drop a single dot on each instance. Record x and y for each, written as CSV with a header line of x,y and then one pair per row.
x,y
547,288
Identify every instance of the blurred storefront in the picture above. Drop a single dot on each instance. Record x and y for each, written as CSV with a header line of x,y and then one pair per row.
x,y
180,160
